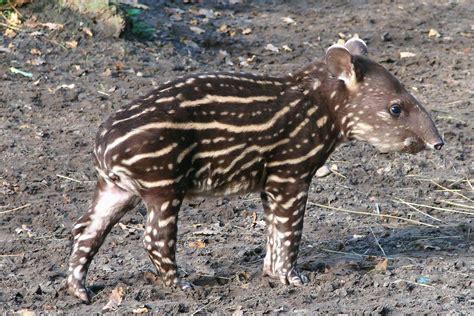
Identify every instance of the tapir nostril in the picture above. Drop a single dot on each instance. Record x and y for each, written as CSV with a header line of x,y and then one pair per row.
x,y
439,145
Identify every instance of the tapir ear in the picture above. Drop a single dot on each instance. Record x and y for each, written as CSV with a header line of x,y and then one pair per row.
x,y
356,46
339,62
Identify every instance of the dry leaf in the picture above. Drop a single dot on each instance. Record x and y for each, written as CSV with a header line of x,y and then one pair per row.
x,y
152,278
272,48
115,299
17,3
198,244
53,26
35,51
288,20
127,228
243,276
119,65
433,33
176,17
382,265
38,61
31,22
24,230
246,31
9,33
110,24
71,44
14,19
24,312
87,31
210,14
224,28
196,29
407,54
254,219
141,310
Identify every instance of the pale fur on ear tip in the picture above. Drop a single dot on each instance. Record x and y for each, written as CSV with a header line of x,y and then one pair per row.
x,y
354,39
337,46
357,46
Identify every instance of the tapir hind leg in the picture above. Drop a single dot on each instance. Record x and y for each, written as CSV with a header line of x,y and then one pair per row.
x,y
109,205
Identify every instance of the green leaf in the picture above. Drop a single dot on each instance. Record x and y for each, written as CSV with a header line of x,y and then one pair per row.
x,y
21,72
133,12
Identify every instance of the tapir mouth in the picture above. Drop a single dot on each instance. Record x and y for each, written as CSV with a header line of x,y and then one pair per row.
x,y
413,145
414,149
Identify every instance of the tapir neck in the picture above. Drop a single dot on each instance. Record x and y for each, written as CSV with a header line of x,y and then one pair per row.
x,y
331,95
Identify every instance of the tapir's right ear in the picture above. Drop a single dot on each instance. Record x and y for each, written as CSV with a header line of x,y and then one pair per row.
x,y
339,62
356,46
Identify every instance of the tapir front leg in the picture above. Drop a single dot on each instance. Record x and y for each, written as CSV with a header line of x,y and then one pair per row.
x,y
160,235
109,205
284,207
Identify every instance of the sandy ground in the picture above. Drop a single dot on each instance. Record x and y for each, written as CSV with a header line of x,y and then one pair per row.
x,y
48,123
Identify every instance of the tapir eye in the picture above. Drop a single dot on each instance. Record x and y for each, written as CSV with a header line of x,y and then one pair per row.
x,y
395,109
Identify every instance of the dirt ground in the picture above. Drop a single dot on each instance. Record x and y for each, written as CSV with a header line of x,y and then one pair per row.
x,y
48,123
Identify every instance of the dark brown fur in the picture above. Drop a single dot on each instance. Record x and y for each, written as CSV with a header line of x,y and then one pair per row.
x,y
226,133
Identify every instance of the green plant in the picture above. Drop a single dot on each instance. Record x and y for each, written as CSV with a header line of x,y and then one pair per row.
x,y
137,26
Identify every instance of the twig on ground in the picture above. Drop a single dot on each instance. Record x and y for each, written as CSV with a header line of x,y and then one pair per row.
x,y
378,244
343,252
414,283
15,209
456,182
249,200
432,238
398,200
350,253
421,177
68,178
372,214
47,237
338,174
212,276
449,190
242,228
12,254
10,26
459,101
470,184
206,305
458,204
441,208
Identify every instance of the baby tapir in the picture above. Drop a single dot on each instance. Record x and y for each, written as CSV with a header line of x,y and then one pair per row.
x,y
230,133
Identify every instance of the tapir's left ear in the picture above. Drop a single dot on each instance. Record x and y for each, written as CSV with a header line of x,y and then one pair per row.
x,y
339,62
